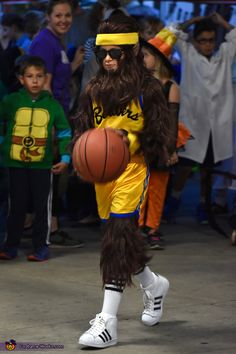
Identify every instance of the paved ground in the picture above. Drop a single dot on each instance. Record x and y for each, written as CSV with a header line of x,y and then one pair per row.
x,y
52,302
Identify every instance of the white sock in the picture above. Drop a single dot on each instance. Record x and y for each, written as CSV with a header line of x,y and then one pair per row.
x,y
111,300
146,277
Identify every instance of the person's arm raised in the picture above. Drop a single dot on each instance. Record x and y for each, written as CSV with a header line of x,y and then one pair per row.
x,y
219,20
184,25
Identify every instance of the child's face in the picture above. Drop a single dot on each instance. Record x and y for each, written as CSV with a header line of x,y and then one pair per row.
x,y
150,60
205,43
33,80
110,56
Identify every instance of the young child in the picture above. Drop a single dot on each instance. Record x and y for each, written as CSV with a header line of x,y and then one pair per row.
x,y
30,116
206,104
126,97
155,54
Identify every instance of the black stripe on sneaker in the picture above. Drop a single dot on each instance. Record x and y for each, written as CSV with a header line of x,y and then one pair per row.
x,y
157,308
157,302
100,335
105,336
158,297
108,334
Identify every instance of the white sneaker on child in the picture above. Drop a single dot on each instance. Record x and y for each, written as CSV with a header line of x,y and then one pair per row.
x,y
153,299
102,334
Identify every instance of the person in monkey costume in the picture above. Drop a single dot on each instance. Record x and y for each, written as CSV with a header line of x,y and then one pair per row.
x,y
125,96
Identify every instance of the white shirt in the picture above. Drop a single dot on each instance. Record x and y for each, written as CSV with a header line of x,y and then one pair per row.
x,y
206,102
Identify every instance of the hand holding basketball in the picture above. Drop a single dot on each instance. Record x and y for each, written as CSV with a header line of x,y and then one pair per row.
x,y
101,155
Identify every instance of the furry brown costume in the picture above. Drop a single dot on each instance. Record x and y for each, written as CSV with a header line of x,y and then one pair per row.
x,y
123,251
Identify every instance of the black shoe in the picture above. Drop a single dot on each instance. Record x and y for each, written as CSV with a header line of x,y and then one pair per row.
x,y
61,239
156,241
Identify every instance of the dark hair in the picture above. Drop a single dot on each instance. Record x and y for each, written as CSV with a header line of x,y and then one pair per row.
x,y
115,13
154,22
114,4
12,19
95,16
28,61
205,25
33,22
52,3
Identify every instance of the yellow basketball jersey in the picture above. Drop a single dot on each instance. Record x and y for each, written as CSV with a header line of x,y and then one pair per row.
x,y
130,119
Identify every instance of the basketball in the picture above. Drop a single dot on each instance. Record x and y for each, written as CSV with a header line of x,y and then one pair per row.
x,y
100,155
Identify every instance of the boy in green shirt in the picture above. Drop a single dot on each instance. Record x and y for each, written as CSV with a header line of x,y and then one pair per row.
x,y
31,116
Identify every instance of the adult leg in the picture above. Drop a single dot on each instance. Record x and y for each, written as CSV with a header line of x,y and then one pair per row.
x,y
204,205
220,187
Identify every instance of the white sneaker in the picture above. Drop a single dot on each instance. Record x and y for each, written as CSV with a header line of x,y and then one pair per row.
x,y
102,334
153,299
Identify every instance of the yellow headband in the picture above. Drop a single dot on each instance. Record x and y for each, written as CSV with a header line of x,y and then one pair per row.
x,y
117,38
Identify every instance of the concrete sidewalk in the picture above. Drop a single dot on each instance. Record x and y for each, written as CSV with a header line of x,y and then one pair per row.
x,y
52,302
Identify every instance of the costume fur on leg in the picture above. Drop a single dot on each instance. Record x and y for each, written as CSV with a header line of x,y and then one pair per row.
x,y
122,251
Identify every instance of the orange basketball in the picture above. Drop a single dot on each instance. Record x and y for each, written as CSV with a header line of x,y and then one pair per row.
x,y
100,155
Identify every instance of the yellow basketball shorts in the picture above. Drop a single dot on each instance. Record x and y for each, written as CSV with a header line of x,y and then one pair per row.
x,y
124,196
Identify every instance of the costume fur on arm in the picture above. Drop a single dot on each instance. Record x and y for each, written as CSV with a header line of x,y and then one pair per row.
x,y
83,120
174,115
156,139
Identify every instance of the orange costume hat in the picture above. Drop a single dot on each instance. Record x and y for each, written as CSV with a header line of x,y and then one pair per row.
x,y
162,45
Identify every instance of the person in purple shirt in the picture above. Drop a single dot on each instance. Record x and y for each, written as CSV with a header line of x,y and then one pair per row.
x,y
49,45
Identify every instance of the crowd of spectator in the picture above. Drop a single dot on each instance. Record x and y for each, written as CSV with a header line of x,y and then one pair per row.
x,y
202,69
